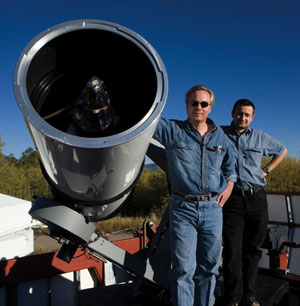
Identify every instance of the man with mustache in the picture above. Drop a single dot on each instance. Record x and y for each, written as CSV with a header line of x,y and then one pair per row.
x,y
201,175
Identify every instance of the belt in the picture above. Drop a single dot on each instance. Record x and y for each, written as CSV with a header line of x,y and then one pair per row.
x,y
247,192
191,198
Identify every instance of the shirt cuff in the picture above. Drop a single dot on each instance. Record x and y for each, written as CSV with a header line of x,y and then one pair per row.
x,y
232,178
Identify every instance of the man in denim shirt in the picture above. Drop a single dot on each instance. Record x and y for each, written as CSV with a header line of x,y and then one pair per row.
x,y
201,175
245,215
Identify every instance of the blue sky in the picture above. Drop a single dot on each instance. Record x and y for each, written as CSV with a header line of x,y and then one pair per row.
x,y
240,49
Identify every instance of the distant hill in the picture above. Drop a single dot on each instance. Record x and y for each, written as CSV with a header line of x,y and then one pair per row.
x,y
151,166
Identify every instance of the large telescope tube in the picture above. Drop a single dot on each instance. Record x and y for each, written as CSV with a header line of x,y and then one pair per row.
x,y
91,140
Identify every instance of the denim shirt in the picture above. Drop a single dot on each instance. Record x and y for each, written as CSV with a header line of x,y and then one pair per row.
x,y
196,165
250,147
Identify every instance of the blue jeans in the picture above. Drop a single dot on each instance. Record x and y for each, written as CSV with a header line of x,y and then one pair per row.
x,y
196,243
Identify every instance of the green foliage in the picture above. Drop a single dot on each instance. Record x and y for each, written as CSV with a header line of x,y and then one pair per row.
x,y
13,181
11,159
29,158
286,177
150,195
22,178
115,224
37,183
1,146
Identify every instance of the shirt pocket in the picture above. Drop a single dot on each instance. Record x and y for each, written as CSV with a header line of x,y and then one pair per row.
x,y
184,151
252,156
216,155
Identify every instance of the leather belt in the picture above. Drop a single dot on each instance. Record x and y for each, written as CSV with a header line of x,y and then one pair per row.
x,y
191,198
248,192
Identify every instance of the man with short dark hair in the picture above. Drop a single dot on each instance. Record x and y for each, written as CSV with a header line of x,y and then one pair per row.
x,y
201,175
245,215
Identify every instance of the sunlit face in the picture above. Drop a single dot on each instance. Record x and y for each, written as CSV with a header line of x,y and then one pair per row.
x,y
198,114
242,117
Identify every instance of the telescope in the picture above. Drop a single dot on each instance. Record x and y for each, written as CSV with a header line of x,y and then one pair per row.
x,y
91,168
91,93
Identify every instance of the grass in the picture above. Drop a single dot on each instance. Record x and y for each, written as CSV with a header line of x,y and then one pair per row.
x,y
119,223
40,250
114,225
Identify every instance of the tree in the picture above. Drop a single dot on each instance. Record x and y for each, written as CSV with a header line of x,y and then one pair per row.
x,y
1,147
13,181
36,182
150,195
11,159
29,158
286,177
22,178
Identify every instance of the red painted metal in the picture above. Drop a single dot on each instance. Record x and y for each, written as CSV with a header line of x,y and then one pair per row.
x,y
23,269
28,268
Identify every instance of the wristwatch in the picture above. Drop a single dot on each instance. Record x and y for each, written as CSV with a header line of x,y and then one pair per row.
x,y
266,170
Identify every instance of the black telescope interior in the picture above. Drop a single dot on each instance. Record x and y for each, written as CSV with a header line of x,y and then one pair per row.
x,y
62,67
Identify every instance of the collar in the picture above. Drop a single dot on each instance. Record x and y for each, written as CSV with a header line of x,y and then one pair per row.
x,y
208,121
247,131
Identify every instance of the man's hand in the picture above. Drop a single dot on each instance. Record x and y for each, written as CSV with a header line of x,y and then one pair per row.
x,y
276,160
223,197
263,173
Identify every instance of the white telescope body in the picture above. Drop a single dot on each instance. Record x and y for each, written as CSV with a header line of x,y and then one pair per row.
x,y
92,174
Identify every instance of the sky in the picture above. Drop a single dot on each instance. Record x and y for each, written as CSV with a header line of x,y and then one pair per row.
x,y
238,48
